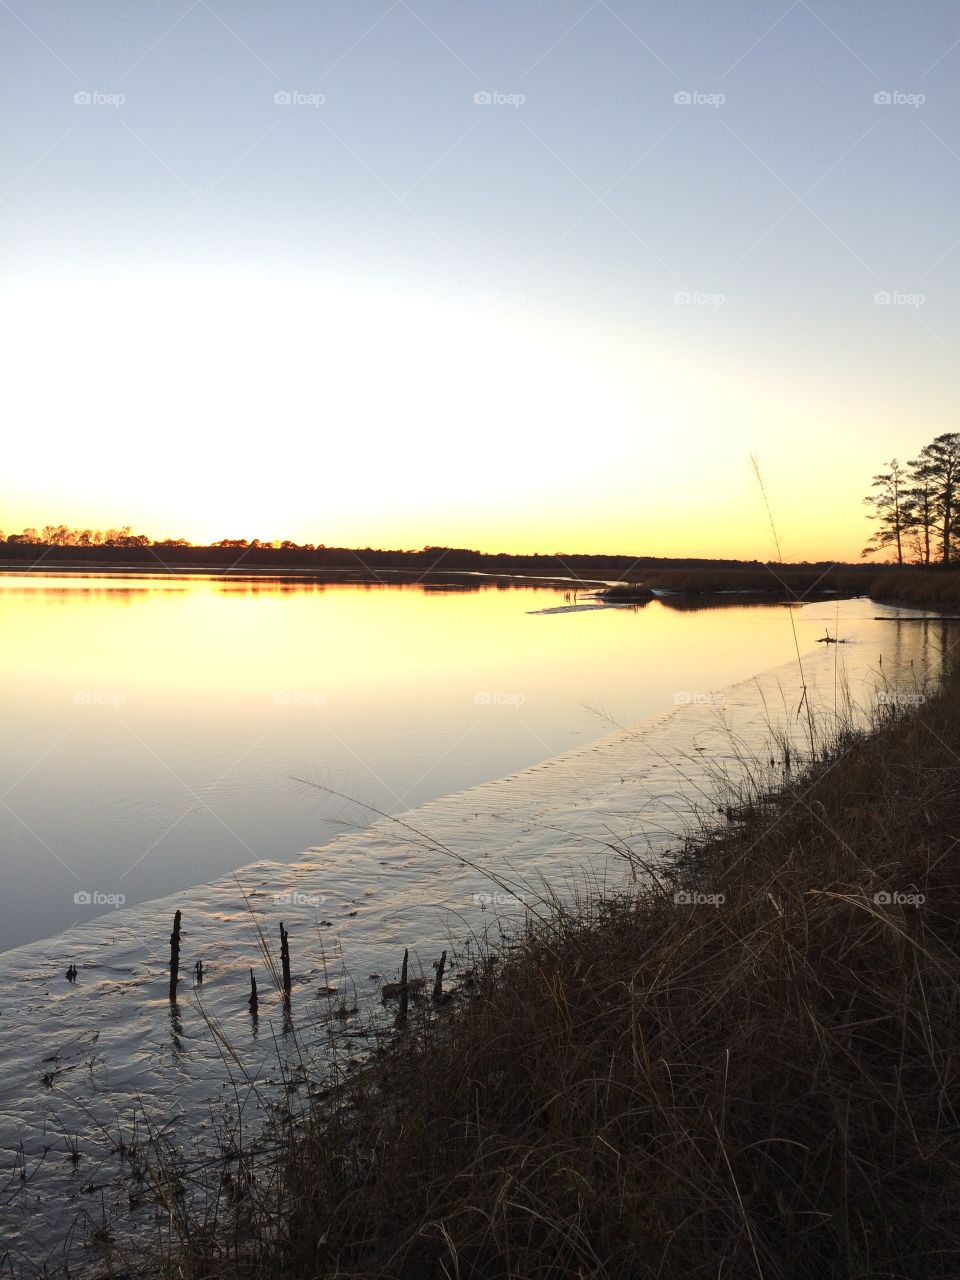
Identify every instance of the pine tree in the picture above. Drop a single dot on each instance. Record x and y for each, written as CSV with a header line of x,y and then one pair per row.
x,y
938,468
891,509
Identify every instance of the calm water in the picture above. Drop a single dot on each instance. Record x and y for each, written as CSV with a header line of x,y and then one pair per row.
x,y
157,727
178,681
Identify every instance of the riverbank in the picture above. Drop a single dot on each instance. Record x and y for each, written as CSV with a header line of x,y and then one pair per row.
x,y
745,1065
91,1068
376,564
623,579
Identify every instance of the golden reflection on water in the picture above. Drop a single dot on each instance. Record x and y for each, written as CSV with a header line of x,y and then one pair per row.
x,y
157,723
249,638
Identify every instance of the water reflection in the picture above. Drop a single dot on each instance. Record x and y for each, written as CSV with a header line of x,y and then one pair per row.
x,y
155,745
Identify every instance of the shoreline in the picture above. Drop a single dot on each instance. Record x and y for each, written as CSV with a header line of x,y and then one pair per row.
x,y
635,581
552,821
291,573
117,1051
747,1063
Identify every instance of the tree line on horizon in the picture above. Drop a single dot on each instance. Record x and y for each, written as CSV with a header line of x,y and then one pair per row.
x,y
61,535
916,505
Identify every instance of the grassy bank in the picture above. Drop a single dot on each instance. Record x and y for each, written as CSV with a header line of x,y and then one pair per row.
x,y
762,1083
935,589
639,575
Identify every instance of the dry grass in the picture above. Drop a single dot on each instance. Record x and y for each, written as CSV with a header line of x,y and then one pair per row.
x,y
641,1088
781,581
924,588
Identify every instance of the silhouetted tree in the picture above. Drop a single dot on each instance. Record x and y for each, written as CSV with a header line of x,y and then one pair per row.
x,y
921,517
938,468
891,509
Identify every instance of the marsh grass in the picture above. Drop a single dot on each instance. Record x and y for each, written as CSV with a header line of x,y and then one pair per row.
x,y
922,587
933,588
637,1085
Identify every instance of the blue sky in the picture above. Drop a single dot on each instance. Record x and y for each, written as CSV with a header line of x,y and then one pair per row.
x,y
710,273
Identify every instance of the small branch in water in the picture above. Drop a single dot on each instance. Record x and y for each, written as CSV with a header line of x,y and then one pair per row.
x,y
254,1001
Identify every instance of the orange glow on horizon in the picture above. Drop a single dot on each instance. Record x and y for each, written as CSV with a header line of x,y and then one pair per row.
x,y
340,415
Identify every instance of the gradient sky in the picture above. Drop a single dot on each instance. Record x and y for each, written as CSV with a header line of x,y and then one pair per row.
x,y
399,316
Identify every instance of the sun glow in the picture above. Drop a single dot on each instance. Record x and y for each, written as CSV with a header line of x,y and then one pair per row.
x,y
346,415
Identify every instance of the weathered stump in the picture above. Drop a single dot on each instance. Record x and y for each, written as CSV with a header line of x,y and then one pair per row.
x,y
285,962
175,956
438,981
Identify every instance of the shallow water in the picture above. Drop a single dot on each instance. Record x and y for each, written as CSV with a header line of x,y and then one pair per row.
x,y
92,1059
156,726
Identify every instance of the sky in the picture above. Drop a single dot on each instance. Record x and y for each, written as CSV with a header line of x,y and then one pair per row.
x,y
530,276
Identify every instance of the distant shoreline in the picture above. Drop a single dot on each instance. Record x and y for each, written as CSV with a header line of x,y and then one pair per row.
x,y
325,574
614,591
630,579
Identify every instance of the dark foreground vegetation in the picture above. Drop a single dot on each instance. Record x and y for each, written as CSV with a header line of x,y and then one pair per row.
x,y
646,1087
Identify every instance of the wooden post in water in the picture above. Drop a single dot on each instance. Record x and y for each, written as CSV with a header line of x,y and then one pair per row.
x,y
175,956
285,961
253,994
404,993
438,981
